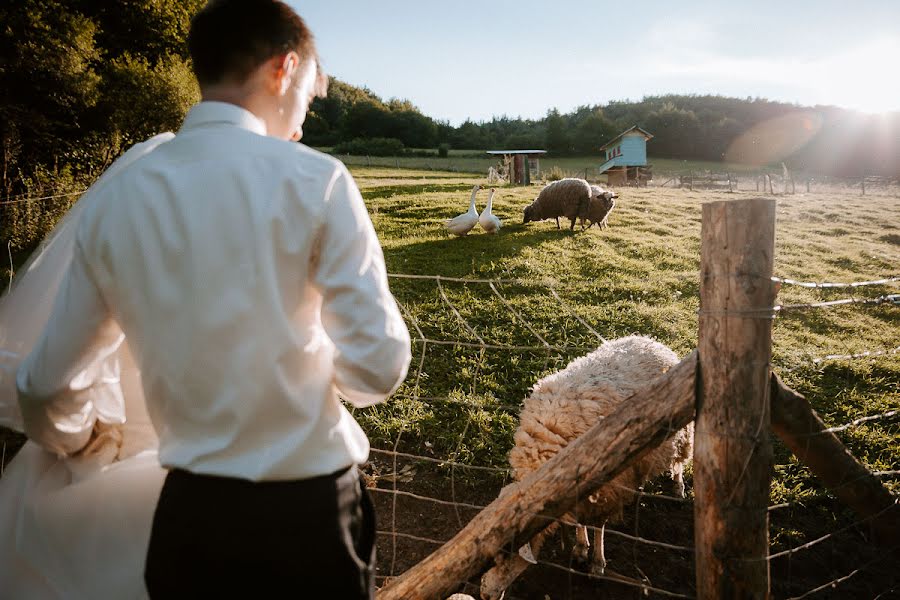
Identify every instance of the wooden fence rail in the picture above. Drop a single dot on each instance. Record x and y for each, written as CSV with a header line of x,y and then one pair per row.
x,y
641,423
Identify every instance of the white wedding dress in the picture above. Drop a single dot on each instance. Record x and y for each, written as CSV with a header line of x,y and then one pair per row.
x,y
74,527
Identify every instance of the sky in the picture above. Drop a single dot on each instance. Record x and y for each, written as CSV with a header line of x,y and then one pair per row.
x,y
476,59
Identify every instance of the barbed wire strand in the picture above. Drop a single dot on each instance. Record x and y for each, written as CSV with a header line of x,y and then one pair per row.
x,y
791,551
549,519
815,284
858,422
12,270
643,587
396,445
835,582
462,436
518,316
560,349
508,472
894,473
514,281
886,299
456,313
574,314
636,538
890,591
866,354
20,200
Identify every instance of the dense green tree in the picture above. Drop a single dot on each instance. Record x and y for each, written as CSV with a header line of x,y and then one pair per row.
x,y
48,83
557,136
592,131
79,82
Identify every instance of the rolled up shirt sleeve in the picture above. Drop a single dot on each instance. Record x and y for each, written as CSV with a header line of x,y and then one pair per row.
x,y
359,313
70,372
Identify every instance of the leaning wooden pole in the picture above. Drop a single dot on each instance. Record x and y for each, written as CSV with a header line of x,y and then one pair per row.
x,y
732,451
801,429
641,423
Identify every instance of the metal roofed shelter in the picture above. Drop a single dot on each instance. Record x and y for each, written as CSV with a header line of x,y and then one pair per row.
x,y
522,164
626,158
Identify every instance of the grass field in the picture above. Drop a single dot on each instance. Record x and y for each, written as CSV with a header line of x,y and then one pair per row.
x,y
477,351
471,161
640,275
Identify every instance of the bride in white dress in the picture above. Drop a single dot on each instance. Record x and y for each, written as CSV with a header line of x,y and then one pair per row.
x,y
75,527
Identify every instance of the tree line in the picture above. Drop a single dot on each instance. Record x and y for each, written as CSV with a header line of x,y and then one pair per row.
x,y
80,81
822,139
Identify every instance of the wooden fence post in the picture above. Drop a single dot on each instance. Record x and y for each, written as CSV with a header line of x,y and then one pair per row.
x,y
733,453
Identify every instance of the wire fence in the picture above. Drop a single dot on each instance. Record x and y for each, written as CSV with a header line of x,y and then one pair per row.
x,y
424,495
645,547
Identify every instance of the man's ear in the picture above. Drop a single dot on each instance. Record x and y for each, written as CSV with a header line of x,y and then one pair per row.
x,y
286,71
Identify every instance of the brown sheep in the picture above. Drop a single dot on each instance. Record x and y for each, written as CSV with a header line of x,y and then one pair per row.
x,y
601,204
569,197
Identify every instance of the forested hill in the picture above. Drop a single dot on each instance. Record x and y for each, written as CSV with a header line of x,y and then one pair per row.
x,y
821,139
82,80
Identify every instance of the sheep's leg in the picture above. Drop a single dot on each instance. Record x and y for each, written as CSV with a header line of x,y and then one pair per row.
x,y
557,223
572,224
599,563
508,568
678,478
582,544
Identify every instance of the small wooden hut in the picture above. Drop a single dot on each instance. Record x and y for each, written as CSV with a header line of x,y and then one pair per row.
x,y
521,165
626,158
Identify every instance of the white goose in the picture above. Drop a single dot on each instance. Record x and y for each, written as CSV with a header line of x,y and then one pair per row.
x,y
489,221
463,224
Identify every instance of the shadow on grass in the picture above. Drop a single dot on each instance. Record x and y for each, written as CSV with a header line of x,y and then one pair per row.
x,y
386,191
477,254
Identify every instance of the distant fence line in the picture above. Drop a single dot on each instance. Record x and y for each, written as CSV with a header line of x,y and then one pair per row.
x,y
764,181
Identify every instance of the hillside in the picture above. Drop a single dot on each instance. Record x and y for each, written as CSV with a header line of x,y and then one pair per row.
x,y
753,131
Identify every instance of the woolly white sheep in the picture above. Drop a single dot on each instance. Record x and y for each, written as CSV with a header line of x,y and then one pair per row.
x,y
567,197
600,205
563,406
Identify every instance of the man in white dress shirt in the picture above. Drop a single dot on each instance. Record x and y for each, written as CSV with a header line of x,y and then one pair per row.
x,y
245,272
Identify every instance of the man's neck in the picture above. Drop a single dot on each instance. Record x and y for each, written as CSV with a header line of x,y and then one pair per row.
x,y
238,96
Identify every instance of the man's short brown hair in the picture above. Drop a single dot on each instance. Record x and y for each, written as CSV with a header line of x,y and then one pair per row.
x,y
230,38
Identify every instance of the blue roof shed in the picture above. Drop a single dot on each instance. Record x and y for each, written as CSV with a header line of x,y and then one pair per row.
x,y
628,149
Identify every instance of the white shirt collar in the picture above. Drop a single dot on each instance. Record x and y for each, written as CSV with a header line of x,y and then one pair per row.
x,y
222,113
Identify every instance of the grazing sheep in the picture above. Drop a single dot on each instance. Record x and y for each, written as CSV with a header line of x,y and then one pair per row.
x,y
563,406
567,197
601,204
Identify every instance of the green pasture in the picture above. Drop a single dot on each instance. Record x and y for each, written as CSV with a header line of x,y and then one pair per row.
x,y
638,276
472,161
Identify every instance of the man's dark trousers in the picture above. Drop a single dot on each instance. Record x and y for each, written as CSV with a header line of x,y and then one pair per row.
x,y
224,537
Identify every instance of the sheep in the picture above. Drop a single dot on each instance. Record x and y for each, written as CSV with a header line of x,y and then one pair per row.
x,y
601,204
567,197
564,405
